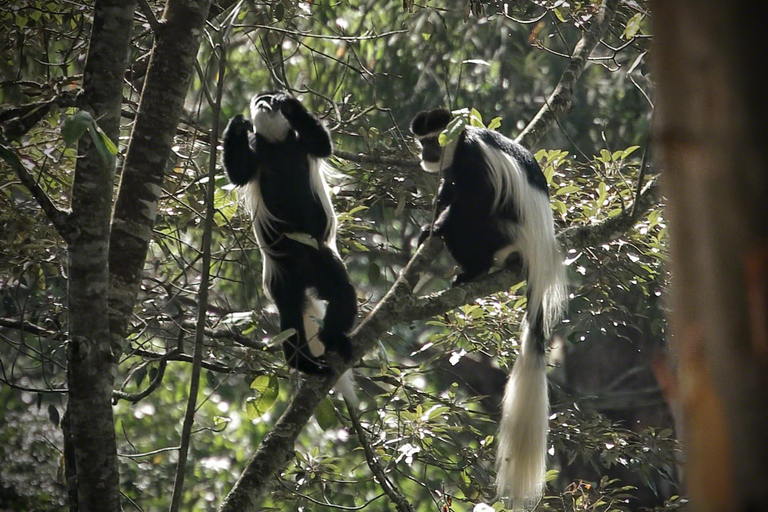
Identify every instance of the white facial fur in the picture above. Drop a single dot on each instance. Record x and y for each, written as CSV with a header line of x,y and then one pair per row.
x,y
270,124
446,158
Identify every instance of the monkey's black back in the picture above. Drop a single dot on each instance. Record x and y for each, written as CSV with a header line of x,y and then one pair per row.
x,y
473,231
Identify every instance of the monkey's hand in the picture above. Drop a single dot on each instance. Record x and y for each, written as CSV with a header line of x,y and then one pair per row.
x,y
240,156
290,107
238,126
426,231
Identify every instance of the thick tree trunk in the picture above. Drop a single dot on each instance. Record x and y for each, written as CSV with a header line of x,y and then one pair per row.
x,y
710,127
162,103
90,362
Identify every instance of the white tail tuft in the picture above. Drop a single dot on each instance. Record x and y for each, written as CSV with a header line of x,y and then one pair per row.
x,y
522,441
346,386
533,236
314,311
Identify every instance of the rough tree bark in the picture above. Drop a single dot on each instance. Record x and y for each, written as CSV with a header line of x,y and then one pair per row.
x,y
149,150
710,128
90,370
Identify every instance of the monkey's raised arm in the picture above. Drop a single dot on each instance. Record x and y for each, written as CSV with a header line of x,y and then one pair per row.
x,y
241,160
313,136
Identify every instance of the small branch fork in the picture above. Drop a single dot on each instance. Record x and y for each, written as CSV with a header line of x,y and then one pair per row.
x,y
401,503
397,307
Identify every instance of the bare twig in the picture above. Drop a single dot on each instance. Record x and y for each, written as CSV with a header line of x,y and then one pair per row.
x,y
184,358
153,385
411,163
400,501
189,416
58,217
150,16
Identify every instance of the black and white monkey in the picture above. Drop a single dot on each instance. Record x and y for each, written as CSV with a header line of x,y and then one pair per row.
x,y
278,160
492,210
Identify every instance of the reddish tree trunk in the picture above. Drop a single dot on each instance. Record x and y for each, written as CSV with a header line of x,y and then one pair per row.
x,y
709,126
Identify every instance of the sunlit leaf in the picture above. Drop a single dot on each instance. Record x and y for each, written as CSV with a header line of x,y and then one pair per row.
x,y
495,123
633,26
267,388
286,334
453,130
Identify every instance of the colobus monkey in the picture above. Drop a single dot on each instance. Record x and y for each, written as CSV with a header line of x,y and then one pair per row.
x,y
492,210
279,161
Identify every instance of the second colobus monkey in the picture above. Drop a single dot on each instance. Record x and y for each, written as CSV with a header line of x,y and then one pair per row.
x,y
278,158
493,211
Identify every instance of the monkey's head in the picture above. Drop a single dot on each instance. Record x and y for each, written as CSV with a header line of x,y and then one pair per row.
x,y
426,126
267,116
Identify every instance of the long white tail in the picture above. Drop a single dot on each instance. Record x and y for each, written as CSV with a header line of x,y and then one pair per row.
x,y
522,441
522,448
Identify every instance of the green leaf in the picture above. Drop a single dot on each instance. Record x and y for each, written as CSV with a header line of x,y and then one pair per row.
x,y
476,119
495,123
267,387
226,204
10,157
453,130
568,189
325,414
282,337
629,151
633,26
75,126
218,421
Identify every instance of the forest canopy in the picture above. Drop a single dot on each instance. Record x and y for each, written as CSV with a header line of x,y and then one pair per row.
x,y
131,282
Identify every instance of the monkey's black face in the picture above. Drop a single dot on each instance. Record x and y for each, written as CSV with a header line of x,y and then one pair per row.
x,y
430,149
426,126
267,116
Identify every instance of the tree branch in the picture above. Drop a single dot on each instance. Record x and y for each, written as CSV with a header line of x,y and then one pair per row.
x,y
578,237
17,121
58,217
160,108
400,501
378,160
202,306
90,364
398,306
156,381
560,102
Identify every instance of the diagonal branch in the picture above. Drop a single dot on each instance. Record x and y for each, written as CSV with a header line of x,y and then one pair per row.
x,y
58,217
560,102
276,449
398,306
400,501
